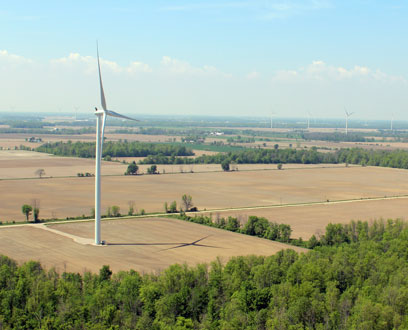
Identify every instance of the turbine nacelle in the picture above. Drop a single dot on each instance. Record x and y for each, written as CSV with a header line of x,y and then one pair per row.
x,y
99,111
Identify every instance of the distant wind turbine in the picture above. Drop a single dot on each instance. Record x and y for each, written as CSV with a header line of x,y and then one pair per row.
x,y
392,121
273,114
76,113
100,130
348,114
308,119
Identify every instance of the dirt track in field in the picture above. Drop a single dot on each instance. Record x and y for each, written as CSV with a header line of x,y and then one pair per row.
x,y
146,245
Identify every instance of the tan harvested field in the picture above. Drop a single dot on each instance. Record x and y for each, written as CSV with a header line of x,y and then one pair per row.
x,y
308,220
62,197
324,146
197,153
312,129
16,164
142,137
23,164
11,140
146,245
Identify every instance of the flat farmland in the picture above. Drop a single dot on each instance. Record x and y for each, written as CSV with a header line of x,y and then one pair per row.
x,y
324,146
20,164
11,140
15,164
146,245
73,196
308,220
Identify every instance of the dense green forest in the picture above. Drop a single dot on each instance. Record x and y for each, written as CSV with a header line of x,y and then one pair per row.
x,y
336,137
114,149
359,156
355,281
49,131
172,153
255,226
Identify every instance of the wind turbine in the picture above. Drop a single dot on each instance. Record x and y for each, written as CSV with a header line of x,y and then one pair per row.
x,y
348,114
392,121
308,120
76,113
100,130
272,114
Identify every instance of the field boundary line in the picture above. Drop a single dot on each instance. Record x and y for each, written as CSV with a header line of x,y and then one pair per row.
x,y
365,199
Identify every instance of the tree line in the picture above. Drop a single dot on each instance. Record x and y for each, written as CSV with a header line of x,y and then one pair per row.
x,y
336,137
361,284
167,153
114,149
358,156
255,226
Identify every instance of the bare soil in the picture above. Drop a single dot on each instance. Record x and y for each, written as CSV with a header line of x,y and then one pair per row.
x,y
16,164
146,245
74,196
309,220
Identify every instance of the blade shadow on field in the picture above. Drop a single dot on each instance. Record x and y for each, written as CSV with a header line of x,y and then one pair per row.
x,y
178,244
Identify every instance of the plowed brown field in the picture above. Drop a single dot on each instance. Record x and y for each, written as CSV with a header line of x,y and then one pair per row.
x,y
146,245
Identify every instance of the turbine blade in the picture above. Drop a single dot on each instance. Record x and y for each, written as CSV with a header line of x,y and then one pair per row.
x,y
118,115
103,101
103,131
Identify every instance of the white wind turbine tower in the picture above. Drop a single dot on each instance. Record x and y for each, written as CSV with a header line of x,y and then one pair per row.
x,y
76,113
348,114
392,121
308,120
273,114
100,130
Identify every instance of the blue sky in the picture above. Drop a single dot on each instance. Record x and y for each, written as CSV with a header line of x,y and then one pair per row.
x,y
207,57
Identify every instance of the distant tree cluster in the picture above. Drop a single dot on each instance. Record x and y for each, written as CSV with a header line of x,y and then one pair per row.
x,y
361,284
251,156
26,209
47,130
193,139
335,137
384,158
255,226
358,156
27,124
114,149
86,174
152,170
186,205
240,139
132,169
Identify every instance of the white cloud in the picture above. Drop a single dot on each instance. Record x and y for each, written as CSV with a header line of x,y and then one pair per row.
x,y
252,75
5,56
138,67
75,59
176,86
319,70
181,67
